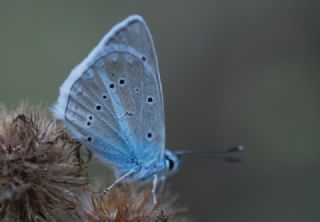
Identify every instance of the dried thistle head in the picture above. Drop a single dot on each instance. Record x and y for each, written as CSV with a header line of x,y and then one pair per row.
x,y
39,167
131,203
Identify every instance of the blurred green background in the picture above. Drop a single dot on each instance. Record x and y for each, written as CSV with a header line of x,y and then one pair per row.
x,y
232,72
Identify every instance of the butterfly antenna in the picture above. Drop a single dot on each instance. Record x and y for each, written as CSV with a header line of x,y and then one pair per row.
x,y
211,154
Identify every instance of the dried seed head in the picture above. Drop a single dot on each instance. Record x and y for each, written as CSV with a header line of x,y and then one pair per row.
x,y
39,167
131,203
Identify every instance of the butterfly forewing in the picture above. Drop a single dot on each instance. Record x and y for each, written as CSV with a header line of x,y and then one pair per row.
x,y
112,101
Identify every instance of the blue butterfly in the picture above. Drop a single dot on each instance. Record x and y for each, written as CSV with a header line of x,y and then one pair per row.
x,y
112,103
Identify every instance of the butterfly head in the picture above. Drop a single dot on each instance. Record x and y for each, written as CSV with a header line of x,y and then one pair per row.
x,y
171,162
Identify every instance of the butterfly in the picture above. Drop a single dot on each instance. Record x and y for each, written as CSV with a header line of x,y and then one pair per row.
x,y
112,103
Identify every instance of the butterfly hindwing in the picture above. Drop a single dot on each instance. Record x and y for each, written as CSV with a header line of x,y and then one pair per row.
x,y
112,101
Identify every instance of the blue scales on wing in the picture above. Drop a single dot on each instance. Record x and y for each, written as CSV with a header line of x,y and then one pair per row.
x,y
112,101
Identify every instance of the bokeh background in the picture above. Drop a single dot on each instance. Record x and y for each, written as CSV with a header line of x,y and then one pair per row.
x,y
232,72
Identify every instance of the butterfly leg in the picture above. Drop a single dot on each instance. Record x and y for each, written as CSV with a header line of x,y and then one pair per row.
x,y
162,180
124,176
154,188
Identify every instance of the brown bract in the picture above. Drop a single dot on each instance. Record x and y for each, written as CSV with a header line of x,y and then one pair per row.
x,y
39,167
132,203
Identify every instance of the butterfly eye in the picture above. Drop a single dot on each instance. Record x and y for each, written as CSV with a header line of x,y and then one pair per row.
x,y
88,123
90,117
171,164
143,58
89,138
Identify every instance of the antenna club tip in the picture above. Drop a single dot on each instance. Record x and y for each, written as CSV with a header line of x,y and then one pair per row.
x,y
241,147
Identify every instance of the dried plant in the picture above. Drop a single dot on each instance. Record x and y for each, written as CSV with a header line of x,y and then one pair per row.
x,y
39,167
131,203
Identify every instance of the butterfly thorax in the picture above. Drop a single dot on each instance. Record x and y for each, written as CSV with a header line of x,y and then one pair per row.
x,y
144,171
